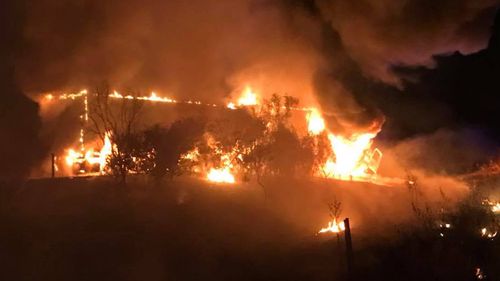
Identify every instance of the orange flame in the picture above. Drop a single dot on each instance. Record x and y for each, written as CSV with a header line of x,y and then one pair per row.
x,y
315,123
91,156
222,175
248,98
352,156
333,227
106,150
495,208
349,153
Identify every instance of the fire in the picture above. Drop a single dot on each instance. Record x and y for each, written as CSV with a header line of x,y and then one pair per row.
x,y
72,157
349,154
315,123
96,159
248,98
333,227
352,156
106,150
222,175
154,97
487,233
71,96
231,105
215,162
496,208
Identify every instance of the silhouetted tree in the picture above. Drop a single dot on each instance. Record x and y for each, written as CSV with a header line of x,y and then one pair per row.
x,y
170,143
277,149
119,118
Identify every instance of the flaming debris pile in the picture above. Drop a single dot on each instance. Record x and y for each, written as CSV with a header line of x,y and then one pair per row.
x,y
334,155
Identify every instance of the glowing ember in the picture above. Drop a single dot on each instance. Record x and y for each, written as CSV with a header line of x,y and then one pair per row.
x,y
333,227
488,233
248,98
116,95
446,225
479,273
222,175
315,123
495,208
231,105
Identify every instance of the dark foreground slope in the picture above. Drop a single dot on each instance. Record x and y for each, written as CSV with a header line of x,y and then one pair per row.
x,y
91,229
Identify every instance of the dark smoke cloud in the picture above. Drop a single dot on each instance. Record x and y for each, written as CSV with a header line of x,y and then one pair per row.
x,y
324,50
378,34
191,49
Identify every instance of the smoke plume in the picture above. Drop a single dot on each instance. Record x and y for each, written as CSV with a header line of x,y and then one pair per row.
x,y
321,51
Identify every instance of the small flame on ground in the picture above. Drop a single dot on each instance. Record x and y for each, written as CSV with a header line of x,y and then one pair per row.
x,y
231,106
479,273
333,227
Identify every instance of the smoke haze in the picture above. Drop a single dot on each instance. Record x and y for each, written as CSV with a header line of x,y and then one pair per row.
x,y
210,49
323,52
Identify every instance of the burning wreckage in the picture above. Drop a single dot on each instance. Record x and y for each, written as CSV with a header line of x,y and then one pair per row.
x,y
346,158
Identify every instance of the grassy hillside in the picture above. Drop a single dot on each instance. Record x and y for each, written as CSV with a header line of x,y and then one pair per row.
x,y
187,229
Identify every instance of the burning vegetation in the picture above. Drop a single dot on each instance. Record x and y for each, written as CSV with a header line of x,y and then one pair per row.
x,y
112,142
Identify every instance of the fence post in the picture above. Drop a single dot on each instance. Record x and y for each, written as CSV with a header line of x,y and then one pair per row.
x,y
349,253
53,165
